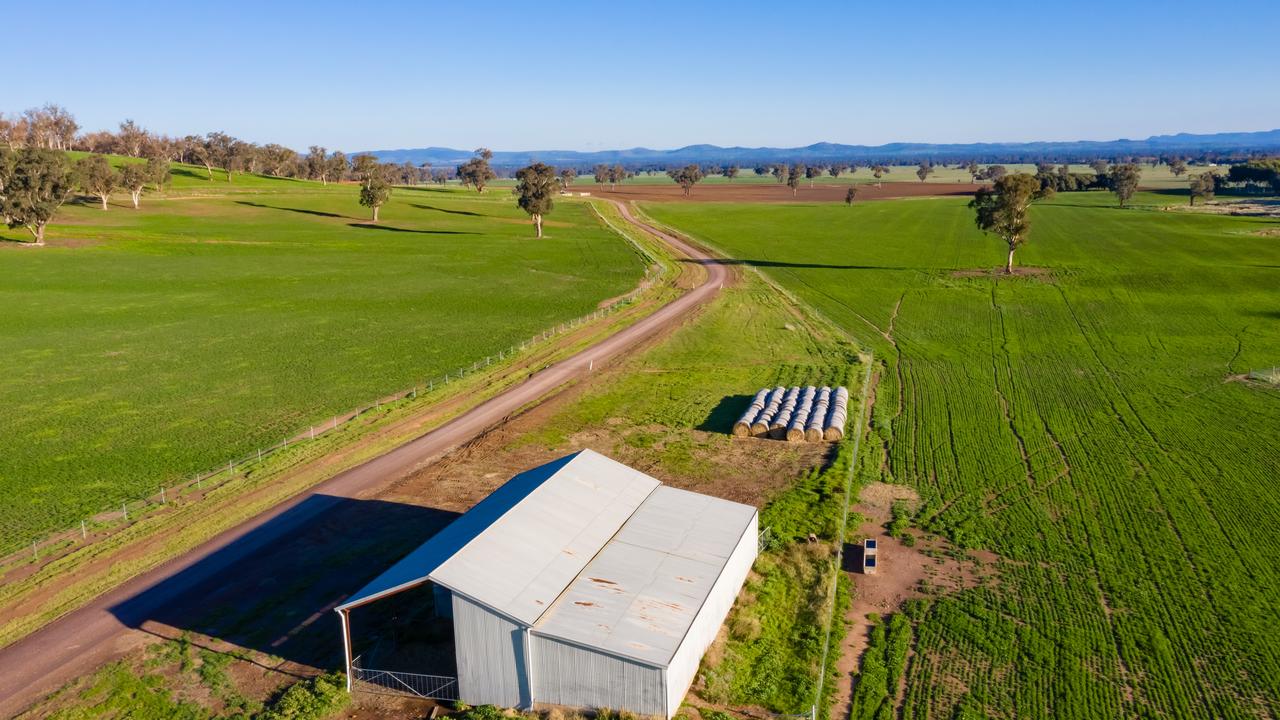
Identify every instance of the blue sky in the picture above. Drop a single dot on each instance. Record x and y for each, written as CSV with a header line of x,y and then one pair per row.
x,y
568,75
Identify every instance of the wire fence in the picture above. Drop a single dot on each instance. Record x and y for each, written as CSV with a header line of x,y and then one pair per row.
x,y
840,537
122,514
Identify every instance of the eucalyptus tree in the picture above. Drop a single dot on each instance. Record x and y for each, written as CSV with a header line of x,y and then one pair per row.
x,y
567,176
134,178
158,172
1124,181
686,177
476,172
1002,209
37,182
374,193
535,190
813,172
97,177
794,176
1203,186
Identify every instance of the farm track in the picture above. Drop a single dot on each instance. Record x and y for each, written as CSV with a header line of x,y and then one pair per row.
x,y
84,638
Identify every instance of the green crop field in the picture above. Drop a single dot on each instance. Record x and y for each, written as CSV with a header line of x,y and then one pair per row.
x,y
1084,425
145,346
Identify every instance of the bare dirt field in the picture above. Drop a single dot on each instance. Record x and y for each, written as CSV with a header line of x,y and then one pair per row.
x,y
766,193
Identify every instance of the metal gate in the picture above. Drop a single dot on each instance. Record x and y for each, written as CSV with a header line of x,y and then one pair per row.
x,y
431,687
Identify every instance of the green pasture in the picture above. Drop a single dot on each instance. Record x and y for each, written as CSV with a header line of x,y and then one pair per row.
x,y
1086,425
146,346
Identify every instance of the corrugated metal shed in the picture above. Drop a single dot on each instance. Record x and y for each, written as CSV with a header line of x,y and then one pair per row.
x,y
529,555
638,597
517,549
582,582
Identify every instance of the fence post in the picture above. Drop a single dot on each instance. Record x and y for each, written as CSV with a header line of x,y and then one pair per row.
x,y
125,507
163,501
313,432
34,555
84,534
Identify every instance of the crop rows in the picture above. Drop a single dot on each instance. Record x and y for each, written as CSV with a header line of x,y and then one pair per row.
x,y
1081,426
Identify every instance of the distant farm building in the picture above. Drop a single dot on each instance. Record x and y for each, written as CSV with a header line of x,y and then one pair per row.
x,y
581,583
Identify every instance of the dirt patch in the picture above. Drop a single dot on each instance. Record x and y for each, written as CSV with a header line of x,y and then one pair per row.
x,y
1038,273
774,193
1267,232
1247,208
927,567
746,470
63,242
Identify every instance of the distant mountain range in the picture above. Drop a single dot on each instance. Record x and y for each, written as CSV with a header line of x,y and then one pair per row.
x,y
1069,151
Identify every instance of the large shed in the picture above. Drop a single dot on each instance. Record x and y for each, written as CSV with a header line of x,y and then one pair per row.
x,y
581,582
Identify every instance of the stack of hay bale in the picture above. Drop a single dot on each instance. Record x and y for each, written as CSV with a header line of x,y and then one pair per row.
x,y
795,414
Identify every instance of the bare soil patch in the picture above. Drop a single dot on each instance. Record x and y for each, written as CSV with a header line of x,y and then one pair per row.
x,y
774,193
926,568
1038,273
1248,208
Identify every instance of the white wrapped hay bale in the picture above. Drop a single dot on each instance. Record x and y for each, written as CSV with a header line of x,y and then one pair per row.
x,y
760,425
742,428
838,415
778,426
814,426
795,430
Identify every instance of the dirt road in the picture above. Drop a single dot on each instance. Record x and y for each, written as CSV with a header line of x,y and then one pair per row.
x,y
85,638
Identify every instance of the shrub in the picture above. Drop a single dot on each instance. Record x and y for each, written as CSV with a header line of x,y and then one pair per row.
x,y
311,700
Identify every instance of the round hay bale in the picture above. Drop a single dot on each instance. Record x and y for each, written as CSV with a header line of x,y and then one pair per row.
x,y
743,426
832,433
812,434
795,434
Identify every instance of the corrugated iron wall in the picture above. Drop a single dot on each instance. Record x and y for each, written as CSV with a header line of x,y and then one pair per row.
x,y
684,664
491,657
566,674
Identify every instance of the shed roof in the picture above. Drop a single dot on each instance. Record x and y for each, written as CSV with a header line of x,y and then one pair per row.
x,y
639,596
517,550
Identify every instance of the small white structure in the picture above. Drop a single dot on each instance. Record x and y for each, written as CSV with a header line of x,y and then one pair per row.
x,y
583,583
870,556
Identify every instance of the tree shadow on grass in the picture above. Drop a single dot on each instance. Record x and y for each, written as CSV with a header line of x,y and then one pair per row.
x,y
725,413
274,589
388,228
420,206
304,211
